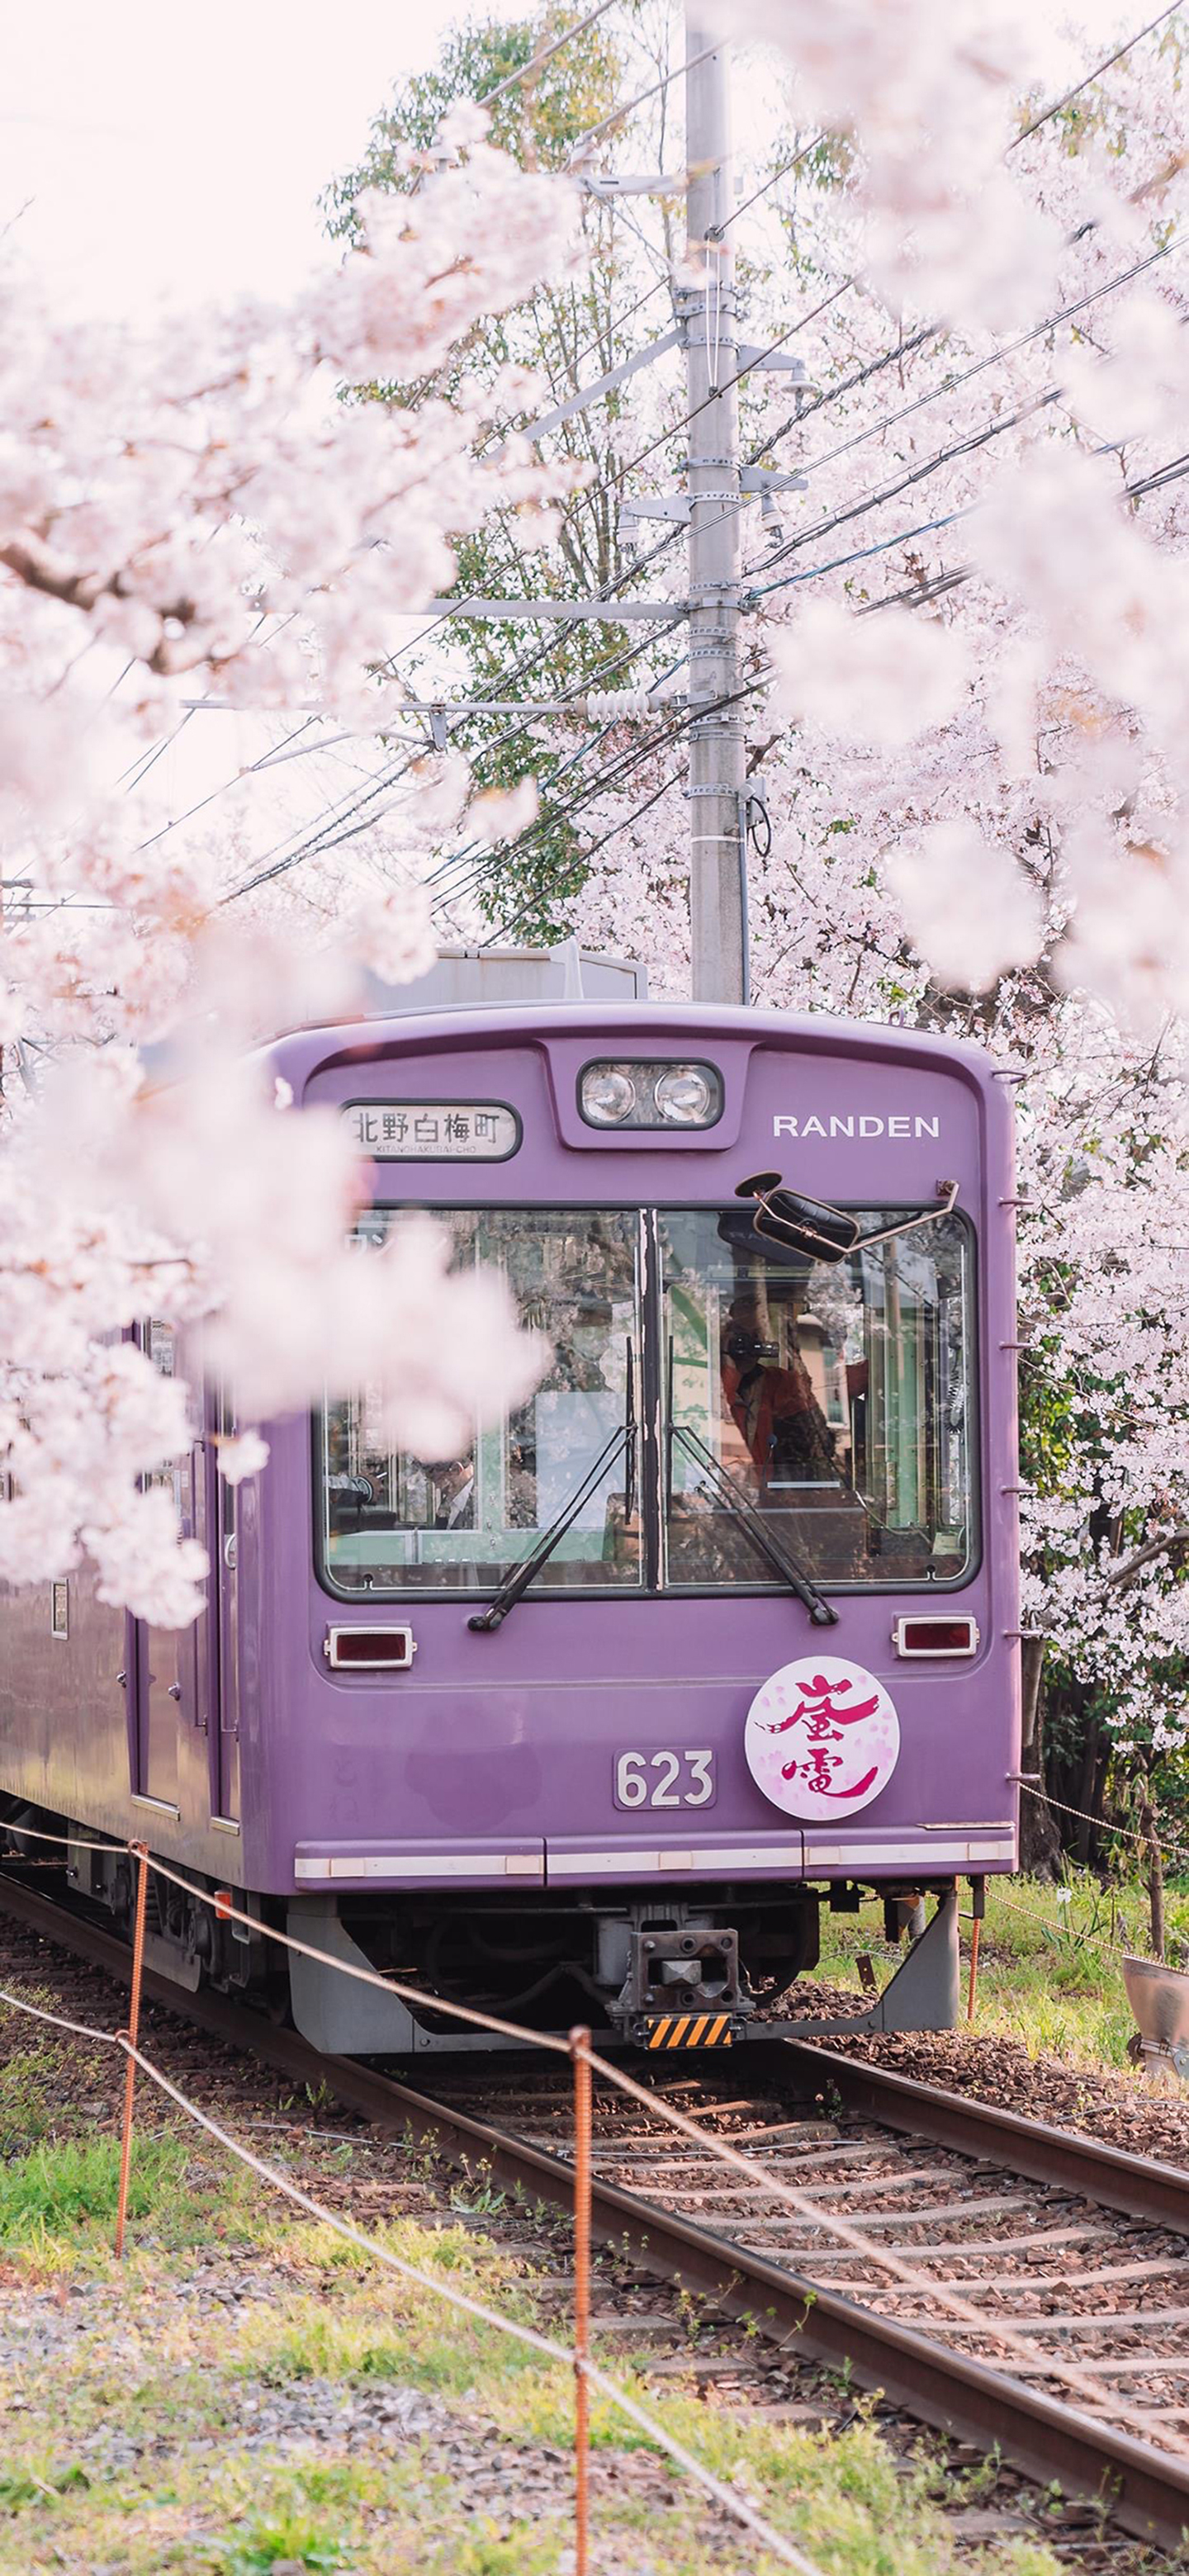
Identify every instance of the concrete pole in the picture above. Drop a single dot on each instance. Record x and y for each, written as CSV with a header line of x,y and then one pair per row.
x,y
718,905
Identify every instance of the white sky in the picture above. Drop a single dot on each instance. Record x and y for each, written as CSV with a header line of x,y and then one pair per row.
x,y
162,150
159,151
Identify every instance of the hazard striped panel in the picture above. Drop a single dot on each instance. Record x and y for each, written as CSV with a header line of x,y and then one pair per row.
x,y
691,2030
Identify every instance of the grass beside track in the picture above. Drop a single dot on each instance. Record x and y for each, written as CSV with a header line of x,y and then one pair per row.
x,y
249,2396
1050,1972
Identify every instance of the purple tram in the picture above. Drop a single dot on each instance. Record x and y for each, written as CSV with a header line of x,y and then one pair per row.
x,y
586,1721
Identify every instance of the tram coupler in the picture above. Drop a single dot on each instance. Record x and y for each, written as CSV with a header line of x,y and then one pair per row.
x,y
682,1988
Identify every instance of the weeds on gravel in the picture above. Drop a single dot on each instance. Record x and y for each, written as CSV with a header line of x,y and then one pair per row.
x,y
31,2096
1050,1972
241,2440
58,2201
56,2189
293,2543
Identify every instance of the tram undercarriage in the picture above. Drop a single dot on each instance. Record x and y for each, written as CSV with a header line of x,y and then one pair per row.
x,y
696,1971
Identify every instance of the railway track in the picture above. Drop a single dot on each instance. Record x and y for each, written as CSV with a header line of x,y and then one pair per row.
x,y
1079,2252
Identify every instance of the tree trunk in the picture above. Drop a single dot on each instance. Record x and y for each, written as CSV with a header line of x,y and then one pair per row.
x,y
1083,1797
1040,1839
1147,1823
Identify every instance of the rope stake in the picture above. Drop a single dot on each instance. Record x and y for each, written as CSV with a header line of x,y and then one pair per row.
x,y
580,2047
141,1852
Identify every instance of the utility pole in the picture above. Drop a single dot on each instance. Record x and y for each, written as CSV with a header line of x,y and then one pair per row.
x,y
718,882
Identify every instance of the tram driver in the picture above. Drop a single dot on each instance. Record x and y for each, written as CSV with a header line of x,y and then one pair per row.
x,y
781,1431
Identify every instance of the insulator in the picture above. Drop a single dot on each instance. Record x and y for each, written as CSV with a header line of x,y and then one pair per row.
x,y
604,705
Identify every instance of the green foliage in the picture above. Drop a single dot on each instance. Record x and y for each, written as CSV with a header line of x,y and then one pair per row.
x,y
20,2487
57,2188
31,2082
1050,1974
294,2541
537,122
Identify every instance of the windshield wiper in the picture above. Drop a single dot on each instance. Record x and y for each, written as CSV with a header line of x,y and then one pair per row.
x,y
522,1575
821,1611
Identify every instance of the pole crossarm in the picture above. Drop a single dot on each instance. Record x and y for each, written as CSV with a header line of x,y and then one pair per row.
x,y
610,612
602,385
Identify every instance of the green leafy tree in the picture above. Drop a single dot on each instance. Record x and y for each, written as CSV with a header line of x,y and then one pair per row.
x,y
568,336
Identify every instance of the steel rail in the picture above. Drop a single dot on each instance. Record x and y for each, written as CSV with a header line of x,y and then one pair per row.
x,y
1143,2489
1139,2187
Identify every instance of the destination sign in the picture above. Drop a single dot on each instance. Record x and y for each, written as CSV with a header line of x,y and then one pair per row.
x,y
433,1131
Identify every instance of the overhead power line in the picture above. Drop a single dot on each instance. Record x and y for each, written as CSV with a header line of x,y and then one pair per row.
x,y
347,816
547,52
919,597
919,474
630,105
508,927
1089,78
995,357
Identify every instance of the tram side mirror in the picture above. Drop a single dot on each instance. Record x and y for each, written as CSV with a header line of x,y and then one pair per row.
x,y
808,1226
821,1232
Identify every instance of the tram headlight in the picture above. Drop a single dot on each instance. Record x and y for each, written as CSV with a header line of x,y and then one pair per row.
x,y
685,1096
608,1095
656,1093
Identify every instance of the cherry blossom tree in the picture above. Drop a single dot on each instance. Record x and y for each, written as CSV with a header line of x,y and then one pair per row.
x,y
201,509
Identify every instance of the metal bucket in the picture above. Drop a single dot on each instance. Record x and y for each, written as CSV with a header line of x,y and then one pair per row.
x,y
1159,1999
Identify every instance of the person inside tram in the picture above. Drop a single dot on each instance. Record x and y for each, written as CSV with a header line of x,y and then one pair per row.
x,y
782,1435
454,1494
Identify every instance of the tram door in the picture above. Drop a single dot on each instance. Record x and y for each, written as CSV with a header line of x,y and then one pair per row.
x,y
165,1664
225,1523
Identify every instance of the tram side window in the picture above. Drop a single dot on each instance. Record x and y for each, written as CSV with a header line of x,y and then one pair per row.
x,y
834,1400
395,1523
158,1339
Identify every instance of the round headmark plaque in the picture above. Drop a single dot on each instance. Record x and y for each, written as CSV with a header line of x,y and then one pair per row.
x,y
822,1737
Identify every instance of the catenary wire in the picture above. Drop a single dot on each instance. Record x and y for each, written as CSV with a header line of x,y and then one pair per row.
x,y
608,779
569,36
526,71
508,927
994,357
527,663
774,180
317,843
930,330
889,357
175,823
631,759
891,491
592,132
831,393
1090,77
1173,472
473,853
729,382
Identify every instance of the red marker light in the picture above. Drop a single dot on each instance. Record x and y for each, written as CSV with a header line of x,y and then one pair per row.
x,y
925,1637
369,1650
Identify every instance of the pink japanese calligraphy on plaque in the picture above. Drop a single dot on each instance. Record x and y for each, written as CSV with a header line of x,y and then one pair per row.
x,y
822,1737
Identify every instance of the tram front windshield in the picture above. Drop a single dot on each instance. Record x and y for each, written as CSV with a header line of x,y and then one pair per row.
x,y
835,1401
